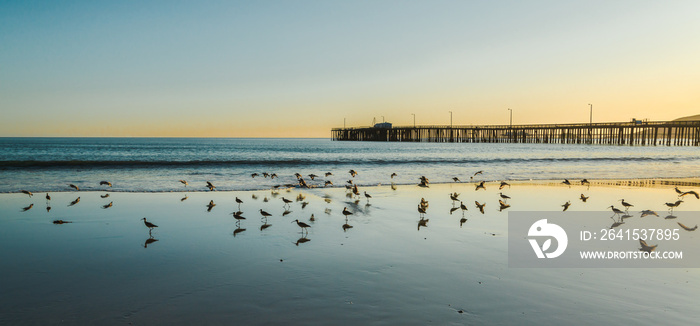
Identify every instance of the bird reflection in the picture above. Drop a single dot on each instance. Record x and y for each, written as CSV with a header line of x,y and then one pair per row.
x,y
210,206
616,222
48,209
303,239
647,212
28,207
77,200
423,222
265,226
286,212
61,222
670,217
646,247
480,186
149,241
393,186
566,206
453,209
480,206
346,226
183,198
461,221
104,196
237,231
584,198
503,205
688,228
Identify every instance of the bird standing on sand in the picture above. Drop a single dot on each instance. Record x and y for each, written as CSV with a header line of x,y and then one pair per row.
x,y
74,186
149,225
239,202
616,211
505,197
27,192
346,212
368,196
265,214
626,204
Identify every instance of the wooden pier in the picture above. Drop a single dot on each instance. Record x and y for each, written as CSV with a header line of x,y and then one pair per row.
x,y
637,133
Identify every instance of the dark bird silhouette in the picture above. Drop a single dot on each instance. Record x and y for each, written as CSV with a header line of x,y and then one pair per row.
x,y
149,225
368,196
48,209
462,220
346,212
238,215
254,175
105,183
265,174
74,186
480,186
210,186
273,175
480,206
149,241
302,225
462,207
61,222
502,205
454,197
505,197
184,182
210,206
453,209
286,201
104,196
183,198
647,212
328,174
353,173
646,247
566,206
346,226
566,182
616,211
48,198
237,231
303,239
503,185
626,204
478,172
678,191
328,183
286,212
27,192
107,206
265,214
28,207
77,200
455,179
423,222
394,175
239,202
265,226
421,211
312,218
585,182
312,176
688,228
671,206
691,193
584,198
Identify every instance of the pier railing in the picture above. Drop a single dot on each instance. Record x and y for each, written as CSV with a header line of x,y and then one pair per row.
x,y
643,133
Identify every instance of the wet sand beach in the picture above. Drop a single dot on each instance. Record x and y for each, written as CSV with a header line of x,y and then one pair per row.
x,y
204,267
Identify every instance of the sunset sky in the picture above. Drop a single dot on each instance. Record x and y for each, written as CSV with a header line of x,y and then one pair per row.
x,y
298,68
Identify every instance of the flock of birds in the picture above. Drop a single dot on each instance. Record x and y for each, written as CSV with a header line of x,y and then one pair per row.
x,y
618,217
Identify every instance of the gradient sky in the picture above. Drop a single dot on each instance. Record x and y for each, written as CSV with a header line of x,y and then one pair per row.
x,y
298,68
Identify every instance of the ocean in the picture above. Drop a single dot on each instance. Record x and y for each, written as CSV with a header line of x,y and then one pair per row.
x,y
156,164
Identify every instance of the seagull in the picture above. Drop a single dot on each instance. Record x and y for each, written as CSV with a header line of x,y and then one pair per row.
x,y
149,225
649,212
302,225
584,198
105,183
688,228
184,182
566,206
480,206
74,186
690,193
455,179
27,192
646,247
77,200
480,186
626,204
503,185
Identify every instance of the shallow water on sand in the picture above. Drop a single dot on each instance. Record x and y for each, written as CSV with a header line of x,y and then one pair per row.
x,y
385,270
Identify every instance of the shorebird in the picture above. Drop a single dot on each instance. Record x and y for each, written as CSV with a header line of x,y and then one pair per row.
x,y
312,176
478,172
254,175
480,206
48,208
107,206
421,211
393,175
671,206
210,186
28,207
48,198
265,214
149,225
480,186
210,206
454,197
27,192
312,218
646,247
302,183
77,200
690,193
616,211
504,196
74,186
184,182
105,183
353,173
61,222
502,205
647,212
566,206
585,182
302,225
455,179
328,174
584,198
254,196
688,228
273,175
626,204
239,202
298,175
566,182
328,183
104,196
368,196
265,174
425,180
453,209
462,207
678,191
462,220
503,185
286,201
346,212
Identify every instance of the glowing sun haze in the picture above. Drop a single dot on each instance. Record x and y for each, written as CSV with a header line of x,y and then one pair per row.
x,y
298,68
